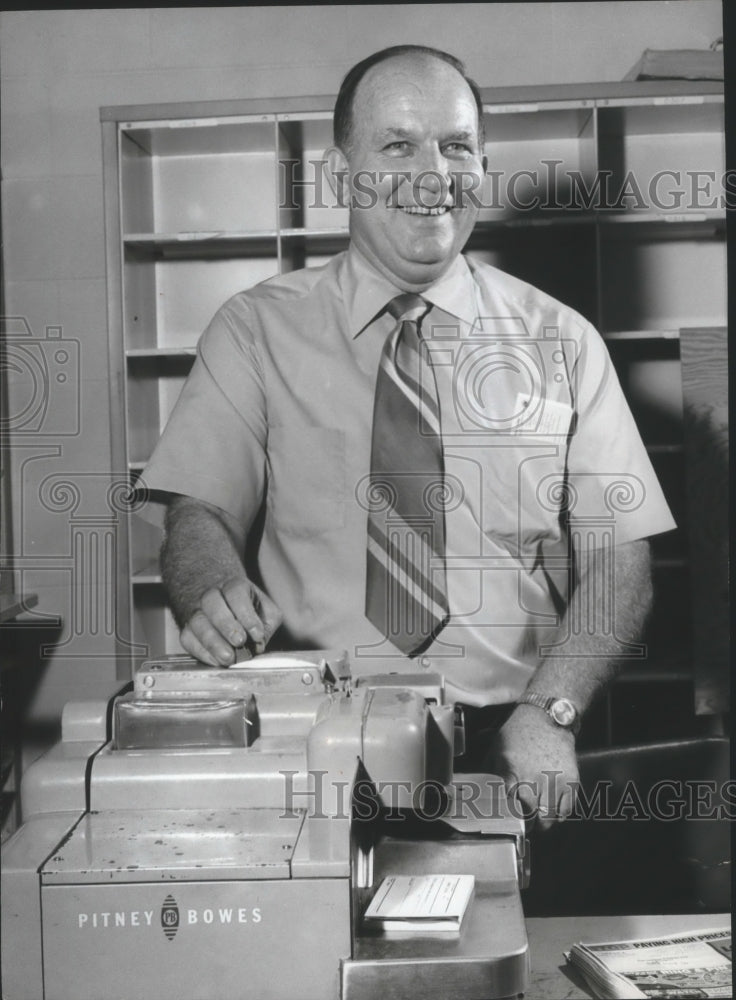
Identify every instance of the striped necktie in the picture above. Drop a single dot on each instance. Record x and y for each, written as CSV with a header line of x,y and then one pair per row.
x,y
405,579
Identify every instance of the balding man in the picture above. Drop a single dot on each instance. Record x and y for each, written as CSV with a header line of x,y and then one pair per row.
x,y
415,444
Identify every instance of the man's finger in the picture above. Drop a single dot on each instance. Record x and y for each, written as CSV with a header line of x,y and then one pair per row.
x,y
205,632
546,818
566,802
242,599
555,804
523,798
220,614
191,644
549,794
269,612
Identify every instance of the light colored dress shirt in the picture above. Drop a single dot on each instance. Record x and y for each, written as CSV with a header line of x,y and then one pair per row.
x,y
539,443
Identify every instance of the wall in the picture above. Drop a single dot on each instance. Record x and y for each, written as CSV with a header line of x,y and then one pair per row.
x,y
57,69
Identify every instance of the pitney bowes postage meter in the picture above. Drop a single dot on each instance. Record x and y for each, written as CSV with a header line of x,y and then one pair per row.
x,y
218,834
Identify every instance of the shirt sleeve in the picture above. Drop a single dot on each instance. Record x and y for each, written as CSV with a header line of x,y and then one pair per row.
x,y
609,473
214,444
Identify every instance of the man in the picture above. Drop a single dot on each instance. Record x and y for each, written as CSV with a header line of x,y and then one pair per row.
x,y
515,406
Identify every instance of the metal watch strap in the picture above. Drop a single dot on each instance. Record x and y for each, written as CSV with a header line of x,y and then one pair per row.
x,y
535,698
546,702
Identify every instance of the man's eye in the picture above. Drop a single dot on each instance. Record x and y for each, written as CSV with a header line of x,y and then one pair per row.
x,y
457,147
399,146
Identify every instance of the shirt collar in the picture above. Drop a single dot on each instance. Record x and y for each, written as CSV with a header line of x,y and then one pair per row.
x,y
366,292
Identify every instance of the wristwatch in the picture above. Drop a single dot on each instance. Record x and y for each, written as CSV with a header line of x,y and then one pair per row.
x,y
560,710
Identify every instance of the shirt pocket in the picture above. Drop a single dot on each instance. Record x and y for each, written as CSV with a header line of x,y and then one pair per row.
x,y
524,495
306,489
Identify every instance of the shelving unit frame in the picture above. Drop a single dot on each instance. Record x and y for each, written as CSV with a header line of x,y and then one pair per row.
x,y
203,199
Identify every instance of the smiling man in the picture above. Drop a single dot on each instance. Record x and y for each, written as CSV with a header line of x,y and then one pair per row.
x,y
412,140
419,448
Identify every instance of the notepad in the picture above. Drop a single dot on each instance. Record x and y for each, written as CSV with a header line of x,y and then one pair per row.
x,y
420,903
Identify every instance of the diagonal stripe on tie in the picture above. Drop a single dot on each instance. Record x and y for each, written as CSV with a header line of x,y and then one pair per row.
x,y
418,397
415,573
405,576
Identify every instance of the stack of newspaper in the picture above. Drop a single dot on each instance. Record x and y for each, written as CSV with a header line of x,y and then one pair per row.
x,y
685,965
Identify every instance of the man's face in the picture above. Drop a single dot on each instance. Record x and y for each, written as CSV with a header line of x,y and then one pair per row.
x,y
415,132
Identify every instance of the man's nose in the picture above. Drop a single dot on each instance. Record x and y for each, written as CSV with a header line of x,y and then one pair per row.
x,y
432,176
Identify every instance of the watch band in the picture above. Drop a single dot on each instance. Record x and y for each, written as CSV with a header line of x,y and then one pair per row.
x,y
535,698
558,709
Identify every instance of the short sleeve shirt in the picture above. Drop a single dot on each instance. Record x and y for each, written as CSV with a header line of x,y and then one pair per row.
x,y
540,447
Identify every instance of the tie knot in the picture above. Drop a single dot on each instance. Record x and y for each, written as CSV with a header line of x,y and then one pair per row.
x,y
408,306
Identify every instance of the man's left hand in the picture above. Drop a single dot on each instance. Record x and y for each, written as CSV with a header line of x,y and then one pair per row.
x,y
536,758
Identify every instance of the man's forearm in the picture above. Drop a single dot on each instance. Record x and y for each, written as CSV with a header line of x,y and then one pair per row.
x,y
605,610
534,755
199,553
218,609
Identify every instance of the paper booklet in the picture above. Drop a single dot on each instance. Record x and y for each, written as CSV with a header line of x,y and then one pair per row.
x,y
678,64
419,904
686,965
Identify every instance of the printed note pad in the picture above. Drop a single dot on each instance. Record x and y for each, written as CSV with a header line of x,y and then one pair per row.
x,y
419,903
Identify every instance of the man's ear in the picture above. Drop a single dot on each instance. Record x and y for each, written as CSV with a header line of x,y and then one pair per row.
x,y
338,174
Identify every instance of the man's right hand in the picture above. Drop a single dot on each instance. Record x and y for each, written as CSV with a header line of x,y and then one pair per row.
x,y
229,617
216,606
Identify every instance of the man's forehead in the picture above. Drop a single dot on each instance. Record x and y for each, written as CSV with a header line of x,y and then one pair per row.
x,y
393,93
411,77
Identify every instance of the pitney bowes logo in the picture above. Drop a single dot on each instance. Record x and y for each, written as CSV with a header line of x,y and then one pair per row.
x,y
170,917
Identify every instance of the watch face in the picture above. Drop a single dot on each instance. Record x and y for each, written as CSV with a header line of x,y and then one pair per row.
x,y
563,712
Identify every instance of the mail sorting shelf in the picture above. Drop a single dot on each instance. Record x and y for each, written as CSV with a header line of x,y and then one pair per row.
x,y
205,199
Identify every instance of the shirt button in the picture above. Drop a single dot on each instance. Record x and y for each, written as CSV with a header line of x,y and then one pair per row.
x,y
425,662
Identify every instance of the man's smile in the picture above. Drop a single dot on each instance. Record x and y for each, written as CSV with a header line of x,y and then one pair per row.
x,y
420,210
